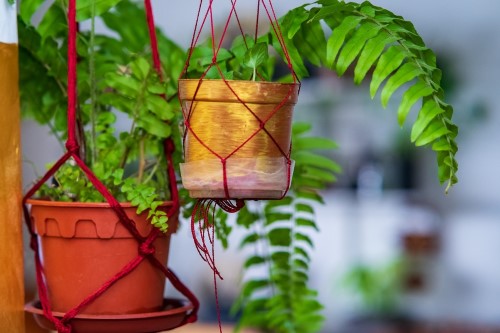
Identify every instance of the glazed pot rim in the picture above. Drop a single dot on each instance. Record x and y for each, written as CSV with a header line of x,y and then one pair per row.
x,y
249,82
73,204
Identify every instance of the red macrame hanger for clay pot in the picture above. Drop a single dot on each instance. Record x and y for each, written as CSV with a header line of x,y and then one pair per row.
x,y
237,138
63,323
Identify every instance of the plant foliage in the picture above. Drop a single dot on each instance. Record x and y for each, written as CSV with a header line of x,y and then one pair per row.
x,y
373,40
280,300
116,80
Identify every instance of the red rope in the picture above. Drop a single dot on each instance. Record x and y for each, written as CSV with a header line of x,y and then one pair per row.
x,y
145,244
204,210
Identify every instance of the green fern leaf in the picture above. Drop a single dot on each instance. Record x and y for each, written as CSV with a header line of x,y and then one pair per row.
x,y
306,223
387,63
302,253
304,238
434,131
410,97
426,115
250,239
371,52
303,143
353,46
253,285
280,237
277,217
338,37
301,207
404,74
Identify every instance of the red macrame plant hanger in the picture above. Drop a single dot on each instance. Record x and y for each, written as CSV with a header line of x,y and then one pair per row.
x,y
229,199
146,248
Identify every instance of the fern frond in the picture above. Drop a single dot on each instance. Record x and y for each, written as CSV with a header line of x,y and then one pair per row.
x,y
286,303
368,37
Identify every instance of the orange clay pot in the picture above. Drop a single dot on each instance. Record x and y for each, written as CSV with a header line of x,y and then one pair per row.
x,y
83,245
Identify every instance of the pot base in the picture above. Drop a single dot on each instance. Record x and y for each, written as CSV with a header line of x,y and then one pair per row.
x,y
237,194
169,317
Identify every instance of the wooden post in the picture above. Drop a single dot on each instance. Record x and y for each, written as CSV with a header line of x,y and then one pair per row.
x,y
11,245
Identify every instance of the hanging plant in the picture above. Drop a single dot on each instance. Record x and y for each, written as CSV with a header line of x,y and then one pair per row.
x,y
379,46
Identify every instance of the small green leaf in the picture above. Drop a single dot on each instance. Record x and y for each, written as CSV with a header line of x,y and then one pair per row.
x,y
301,252
126,85
387,63
371,52
354,45
404,74
410,97
434,131
280,237
304,238
426,115
53,22
281,257
305,143
252,286
154,126
306,223
159,106
292,22
338,37
84,8
256,56
250,239
301,207
301,128
28,8
141,68
277,217
312,159
254,261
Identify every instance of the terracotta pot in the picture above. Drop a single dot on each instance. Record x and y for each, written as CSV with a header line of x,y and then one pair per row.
x,y
83,245
224,120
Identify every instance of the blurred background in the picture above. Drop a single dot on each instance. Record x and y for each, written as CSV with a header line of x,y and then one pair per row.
x,y
386,219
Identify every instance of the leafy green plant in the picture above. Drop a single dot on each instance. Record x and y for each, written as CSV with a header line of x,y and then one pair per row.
x,y
280,300
116,80
367,37
378,287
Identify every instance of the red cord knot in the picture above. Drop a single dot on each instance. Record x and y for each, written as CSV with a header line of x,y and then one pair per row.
x,y
62,327
214,60
262,124
146,249
72,147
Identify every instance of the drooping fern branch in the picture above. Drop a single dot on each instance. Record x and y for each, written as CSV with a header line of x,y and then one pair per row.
x,y
367,38
275,295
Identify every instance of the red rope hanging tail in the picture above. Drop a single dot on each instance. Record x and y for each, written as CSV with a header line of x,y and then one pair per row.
x,y
205,209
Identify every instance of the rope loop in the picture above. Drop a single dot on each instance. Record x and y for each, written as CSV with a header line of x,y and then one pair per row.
x,y
146,249
62,327
72,147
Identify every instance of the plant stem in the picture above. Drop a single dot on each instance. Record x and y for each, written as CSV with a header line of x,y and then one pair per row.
x,y
142,161
153,171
